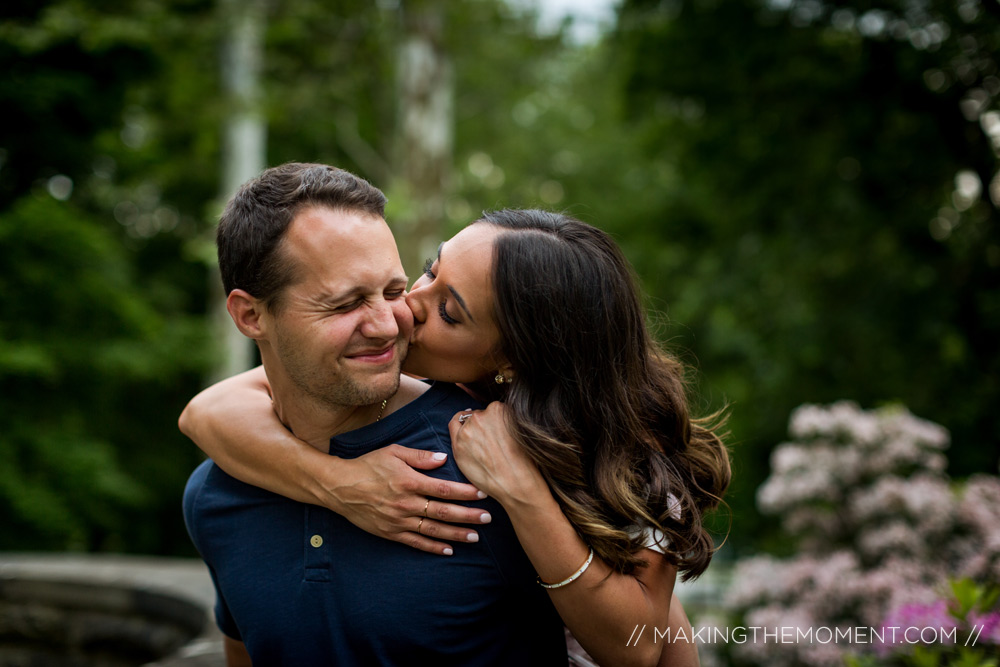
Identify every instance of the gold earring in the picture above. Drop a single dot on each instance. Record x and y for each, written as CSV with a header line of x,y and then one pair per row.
x,y
500,379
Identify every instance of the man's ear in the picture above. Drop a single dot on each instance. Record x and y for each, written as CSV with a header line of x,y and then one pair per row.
x,y
246,312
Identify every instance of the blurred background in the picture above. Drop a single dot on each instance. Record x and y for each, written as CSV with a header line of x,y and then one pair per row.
x,y
807,189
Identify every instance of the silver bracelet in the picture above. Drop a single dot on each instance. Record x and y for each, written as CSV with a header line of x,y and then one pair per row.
x,y
573,577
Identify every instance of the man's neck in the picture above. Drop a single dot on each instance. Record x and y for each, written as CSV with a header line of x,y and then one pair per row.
x,y
311,419
316,421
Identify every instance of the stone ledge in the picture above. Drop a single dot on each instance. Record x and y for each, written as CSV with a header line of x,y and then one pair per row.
x,y
109,604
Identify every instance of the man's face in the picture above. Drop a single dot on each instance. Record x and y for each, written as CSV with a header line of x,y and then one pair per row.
x,y
340,332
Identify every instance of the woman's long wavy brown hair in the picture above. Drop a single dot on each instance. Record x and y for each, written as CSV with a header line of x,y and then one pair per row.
x,y
598,406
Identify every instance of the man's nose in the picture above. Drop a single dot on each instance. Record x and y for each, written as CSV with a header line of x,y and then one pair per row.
x,y
381,321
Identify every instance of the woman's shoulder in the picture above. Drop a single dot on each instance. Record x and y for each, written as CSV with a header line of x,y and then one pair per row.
x,y
652,537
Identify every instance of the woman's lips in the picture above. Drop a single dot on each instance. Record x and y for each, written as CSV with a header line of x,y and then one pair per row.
x,y
414,336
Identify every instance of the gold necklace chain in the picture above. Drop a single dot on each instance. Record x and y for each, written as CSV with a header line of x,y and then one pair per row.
x,y
382,409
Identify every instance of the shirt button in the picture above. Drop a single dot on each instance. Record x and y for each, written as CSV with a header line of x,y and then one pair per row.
x,y
316,541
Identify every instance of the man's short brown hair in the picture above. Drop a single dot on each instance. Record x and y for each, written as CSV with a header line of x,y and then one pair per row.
x,y
254,223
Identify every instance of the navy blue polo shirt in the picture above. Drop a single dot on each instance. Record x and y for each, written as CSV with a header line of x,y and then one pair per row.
x,y
301,585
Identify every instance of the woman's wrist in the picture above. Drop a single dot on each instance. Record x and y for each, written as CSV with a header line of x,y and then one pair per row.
x,y
571,578
530,495
310,467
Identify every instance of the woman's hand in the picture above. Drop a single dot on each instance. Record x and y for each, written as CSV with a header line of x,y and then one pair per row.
x,y
491,458
601,607
383,492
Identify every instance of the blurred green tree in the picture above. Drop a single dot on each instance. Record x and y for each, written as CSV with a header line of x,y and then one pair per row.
x,y
101,334
90,359
816,206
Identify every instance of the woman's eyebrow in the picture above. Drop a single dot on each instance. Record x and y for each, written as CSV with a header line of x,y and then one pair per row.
x,y
458,297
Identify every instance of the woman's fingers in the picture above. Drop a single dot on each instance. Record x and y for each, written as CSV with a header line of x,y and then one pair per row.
x,y
427,530
443,531
382,493
420,459
447,512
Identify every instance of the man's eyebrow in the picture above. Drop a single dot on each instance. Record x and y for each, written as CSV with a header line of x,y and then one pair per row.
x,y
458,297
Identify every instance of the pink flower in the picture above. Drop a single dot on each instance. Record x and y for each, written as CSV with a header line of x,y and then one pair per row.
x,y
917,623
985,627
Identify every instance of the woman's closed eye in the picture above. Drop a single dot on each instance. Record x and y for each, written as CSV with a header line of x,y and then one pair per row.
x,y
444,314
442,310
427,268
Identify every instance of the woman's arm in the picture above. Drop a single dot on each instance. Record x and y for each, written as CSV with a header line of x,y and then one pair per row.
x,y
681,650
236,653
601,608
234,424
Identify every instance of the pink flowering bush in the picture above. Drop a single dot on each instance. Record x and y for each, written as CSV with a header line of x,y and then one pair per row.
x,y
960,630
934,616
880,530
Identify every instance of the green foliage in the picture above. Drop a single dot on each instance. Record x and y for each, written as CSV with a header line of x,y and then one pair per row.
x,y
63,82
969,595
923,656
102,337
82,343
330,94
804,224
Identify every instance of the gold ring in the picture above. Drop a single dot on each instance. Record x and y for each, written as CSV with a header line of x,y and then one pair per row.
x,y
420,523
426,505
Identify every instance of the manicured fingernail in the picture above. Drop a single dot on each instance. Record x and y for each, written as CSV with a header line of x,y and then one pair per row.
x,y
448,551
480,495
485,518
472,537
439,456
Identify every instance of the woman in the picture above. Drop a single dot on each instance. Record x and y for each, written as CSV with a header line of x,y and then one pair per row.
x,y
592,452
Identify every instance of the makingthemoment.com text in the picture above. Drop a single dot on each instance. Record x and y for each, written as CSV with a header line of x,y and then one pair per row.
x,y
797,635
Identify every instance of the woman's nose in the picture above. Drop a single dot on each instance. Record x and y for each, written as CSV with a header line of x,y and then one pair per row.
x,y
415,302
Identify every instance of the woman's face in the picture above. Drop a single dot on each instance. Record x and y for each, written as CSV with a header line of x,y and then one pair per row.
x,y
454,334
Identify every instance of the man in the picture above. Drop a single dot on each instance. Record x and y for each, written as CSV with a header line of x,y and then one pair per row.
x,y
313,277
